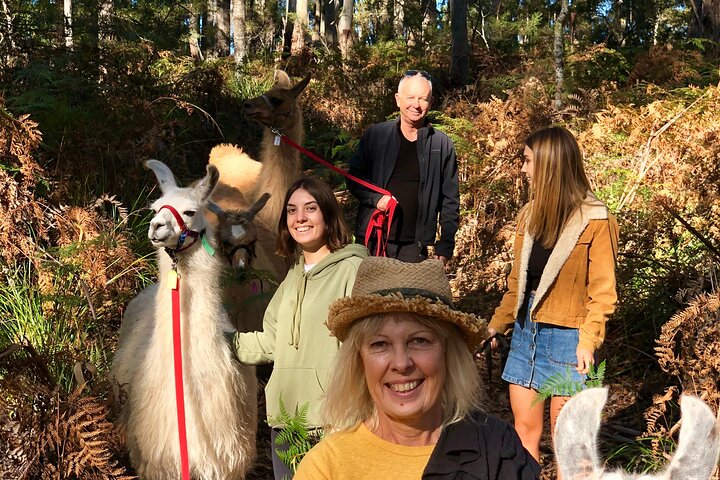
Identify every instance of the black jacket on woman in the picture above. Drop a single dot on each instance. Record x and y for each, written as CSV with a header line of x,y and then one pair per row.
x,y
480,447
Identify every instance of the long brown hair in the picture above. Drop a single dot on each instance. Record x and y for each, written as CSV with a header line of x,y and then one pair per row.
x,y
337,233
559,183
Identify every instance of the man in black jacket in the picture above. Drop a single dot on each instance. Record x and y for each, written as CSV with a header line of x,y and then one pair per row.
x,y
417,164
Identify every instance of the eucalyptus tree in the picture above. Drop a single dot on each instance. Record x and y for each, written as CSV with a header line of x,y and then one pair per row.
x,y
68,23
705,21
240,46
559,54
460,63
345,27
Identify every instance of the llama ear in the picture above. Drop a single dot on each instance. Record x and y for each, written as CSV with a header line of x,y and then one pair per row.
x,y
258,205
282,79
205,186
217,210
164,175
576,434
699,443
300,86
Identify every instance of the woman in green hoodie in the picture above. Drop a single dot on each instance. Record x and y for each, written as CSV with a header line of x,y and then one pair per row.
x,y
294,337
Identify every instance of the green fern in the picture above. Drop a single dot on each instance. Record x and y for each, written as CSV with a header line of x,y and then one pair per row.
x,y
296,434
562,384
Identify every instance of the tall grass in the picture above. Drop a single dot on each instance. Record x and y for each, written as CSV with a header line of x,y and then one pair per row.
x,y
23,321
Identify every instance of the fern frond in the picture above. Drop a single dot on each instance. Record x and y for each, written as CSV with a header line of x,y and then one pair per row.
x,y
563,384
295,433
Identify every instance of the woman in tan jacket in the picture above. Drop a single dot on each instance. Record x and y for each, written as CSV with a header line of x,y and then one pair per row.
x,y
561,289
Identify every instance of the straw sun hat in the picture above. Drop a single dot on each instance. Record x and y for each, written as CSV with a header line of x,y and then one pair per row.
x,y
387,285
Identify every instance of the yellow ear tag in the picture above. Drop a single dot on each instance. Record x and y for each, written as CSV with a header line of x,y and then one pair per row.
x,y
173,278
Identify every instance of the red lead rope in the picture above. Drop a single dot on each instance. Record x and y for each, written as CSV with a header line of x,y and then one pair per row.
x,y
380,221
179,393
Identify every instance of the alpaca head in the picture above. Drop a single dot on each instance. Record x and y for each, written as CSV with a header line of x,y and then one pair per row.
x,y
576,434
277,107
165,229
237,232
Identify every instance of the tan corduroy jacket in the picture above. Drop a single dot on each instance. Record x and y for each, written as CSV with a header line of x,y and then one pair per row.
x,y
577,286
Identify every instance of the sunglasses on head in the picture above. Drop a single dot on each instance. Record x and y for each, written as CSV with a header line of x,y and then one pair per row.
x,y
422,73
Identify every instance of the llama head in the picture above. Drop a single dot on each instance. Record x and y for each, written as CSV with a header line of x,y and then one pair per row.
x,y
237,232
576,436
277,108
165,229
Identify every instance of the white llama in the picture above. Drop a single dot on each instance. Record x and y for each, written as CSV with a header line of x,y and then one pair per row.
x,y
220,393
576,435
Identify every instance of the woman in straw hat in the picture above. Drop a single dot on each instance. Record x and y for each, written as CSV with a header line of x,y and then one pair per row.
x,y
402,400
561,289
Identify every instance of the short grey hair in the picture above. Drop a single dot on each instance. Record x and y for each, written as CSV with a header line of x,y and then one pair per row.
x,y
417,73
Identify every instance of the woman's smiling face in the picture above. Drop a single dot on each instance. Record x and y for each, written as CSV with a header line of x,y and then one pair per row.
x,y
404,363
305,220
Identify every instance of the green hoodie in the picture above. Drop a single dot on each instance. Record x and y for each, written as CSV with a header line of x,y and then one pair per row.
x,y
294,334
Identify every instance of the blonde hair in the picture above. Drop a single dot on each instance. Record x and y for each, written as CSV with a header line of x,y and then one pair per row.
x,y
559,184
348,401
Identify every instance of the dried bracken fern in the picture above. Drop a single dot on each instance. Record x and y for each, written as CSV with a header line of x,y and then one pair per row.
x,y
689,346
47,434
21,212
93,259
657,422
689,349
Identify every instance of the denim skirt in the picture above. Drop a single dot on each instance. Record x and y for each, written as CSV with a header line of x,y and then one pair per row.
x,y
539,351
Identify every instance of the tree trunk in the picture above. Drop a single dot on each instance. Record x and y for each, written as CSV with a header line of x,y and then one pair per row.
x,y
300,27
8,33
106,9
429,16
459,65
705,21
399,18
194,37
222,28
67,23
290,7
384,28
239,37
559,55
209,28
345,27
318,30
328,20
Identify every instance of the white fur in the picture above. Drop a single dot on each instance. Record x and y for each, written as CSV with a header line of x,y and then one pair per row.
x,y
576,435
220,393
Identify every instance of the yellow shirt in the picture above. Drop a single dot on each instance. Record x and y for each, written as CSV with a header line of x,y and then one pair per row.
x,y
361,455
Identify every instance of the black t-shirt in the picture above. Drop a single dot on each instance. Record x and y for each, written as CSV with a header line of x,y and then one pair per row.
x,y
539,256
404,184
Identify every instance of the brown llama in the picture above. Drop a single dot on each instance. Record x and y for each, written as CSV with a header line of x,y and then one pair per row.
x,y
243,181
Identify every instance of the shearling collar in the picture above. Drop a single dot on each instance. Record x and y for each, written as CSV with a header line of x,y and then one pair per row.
x,y
590,209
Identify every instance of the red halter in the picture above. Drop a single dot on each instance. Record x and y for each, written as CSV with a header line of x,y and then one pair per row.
x,y
184,230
